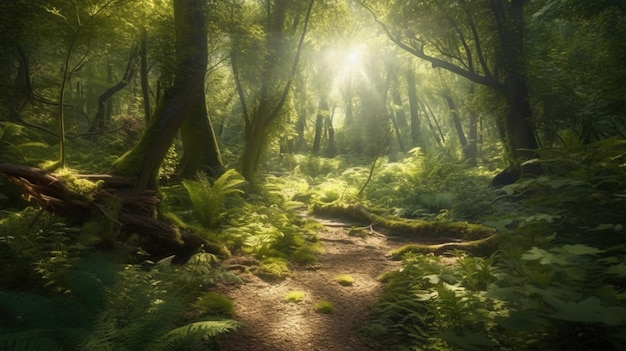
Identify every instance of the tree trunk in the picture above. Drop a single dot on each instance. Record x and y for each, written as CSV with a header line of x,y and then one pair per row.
x,y
253,149
520,133
143,161
457,125
396,113
200,148
143,67
319,125
472,146
440,138
331,149
105,104
413,108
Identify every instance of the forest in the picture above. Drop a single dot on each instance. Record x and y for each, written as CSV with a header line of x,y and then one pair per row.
x,y
312,175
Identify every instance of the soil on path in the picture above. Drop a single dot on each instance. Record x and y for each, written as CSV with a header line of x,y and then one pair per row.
x,y
271,324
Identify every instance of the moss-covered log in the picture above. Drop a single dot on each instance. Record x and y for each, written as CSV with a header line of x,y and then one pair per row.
x,y
431,231
480,247
111,200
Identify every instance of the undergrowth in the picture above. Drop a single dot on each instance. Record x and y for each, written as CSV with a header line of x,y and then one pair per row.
x,y
60,293
557,282
265,224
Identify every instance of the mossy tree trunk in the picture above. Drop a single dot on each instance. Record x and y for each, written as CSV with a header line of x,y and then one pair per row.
x,y
183,101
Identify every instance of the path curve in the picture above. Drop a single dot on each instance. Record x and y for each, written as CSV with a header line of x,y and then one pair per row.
x,y
271,324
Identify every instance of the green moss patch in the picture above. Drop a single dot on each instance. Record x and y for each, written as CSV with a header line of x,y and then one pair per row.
x,y
345,279
294,296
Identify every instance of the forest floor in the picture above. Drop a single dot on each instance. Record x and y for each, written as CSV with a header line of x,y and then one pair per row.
x,y
272,324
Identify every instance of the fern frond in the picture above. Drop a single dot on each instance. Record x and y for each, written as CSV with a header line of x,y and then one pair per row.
x,y
208,199
229,182
193,331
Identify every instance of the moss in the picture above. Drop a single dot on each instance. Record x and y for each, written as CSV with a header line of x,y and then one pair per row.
x,y
273,268
480,247
414,228
294,296
324,307
432,229
345,279
81,188
215,304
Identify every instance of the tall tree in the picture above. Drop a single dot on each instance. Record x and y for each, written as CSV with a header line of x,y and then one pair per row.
x,y
184,99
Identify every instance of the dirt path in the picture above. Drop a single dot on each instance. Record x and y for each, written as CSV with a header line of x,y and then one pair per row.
x,y
271,324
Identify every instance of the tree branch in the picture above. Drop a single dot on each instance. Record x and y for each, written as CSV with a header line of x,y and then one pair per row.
x,y
435,62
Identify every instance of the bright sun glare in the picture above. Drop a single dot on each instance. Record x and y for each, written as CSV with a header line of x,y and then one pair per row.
x,y
354,56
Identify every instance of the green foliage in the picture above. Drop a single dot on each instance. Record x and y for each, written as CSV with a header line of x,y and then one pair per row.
x,y
183,337
168,166
208,198
423,185
557,282
37,249
431,296
269,228
215,304
108,306
580,197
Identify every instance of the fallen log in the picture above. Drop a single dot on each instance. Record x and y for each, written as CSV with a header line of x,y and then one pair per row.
x,y
409,228
134,212
432,236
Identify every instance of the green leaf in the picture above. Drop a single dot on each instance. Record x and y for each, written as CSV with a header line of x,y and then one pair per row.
x,y
544,257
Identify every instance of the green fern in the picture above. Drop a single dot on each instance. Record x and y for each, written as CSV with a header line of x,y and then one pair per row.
x,y
174,339
208,200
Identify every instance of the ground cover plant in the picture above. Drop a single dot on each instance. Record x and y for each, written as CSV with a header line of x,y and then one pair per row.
x,y
553,284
